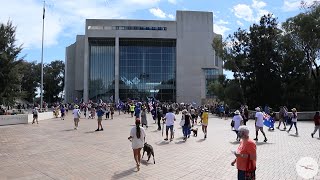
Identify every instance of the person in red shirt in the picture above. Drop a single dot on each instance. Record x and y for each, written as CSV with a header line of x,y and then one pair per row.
x,y
246,155
316,120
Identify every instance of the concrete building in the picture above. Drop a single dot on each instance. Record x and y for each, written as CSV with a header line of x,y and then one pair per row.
x,y
136,59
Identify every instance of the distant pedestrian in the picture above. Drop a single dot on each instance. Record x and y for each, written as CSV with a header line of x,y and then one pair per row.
x,y
237,119
159,117
137,136
100,114
169,120
259,124
282,117
107,112
76,116
112,110
226,111
35,113
144,120
187,124
246,156
131,107
245,115
205,119
316,120
62,110
294,120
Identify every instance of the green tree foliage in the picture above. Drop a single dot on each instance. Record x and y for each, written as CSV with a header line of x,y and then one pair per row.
x,y
31,73
53,81
9,64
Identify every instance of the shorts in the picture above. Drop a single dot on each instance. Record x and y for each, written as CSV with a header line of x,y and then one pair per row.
x,y
100,118
35,116
259,128
76,119
169,127
204,124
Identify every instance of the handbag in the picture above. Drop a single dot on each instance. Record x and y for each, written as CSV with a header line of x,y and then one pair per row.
x,y
250,173
182,122
232,123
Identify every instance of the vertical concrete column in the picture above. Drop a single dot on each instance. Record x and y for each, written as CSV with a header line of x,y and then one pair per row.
x,y
86,71
116,69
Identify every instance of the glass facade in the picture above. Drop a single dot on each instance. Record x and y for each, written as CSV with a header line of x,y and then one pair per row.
x,y
147,69
211,75
101,69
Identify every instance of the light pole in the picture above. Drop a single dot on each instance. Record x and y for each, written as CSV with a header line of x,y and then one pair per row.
x,y
41,90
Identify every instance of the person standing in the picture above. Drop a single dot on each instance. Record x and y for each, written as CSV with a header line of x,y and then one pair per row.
x,y
137,137
237,118
35,113
316,120
246,155
62,110
205,119
187,125
131,107
259,124
107,111
294,120
112,110
159,116
282,118
169,120
76,116
100,114
144,120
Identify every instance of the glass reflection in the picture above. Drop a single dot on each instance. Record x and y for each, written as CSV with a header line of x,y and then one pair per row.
x,y
147,69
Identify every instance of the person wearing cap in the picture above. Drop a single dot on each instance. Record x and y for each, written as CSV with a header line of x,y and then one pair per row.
x,y
259,124
205,119
237,118
76,116
294,120
137,137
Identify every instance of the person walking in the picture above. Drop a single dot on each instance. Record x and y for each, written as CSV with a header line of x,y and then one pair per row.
x,y
137,137
205,119
100,114
62,110
144,120
259,124
35,113
246,155
107,111
245,115
294,120
131,107
187,125
112,110
316,120
159,116
237,119
169,120
76,116
282,118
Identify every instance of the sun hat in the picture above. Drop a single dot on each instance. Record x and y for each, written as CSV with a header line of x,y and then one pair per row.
x,y
258,109
237,112
184,111
294,109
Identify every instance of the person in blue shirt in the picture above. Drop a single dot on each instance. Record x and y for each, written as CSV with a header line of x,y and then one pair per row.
x,y
137,111
100,114
62,110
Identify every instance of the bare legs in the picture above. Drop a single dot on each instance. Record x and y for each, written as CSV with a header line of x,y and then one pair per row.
x,y
137,157
204,130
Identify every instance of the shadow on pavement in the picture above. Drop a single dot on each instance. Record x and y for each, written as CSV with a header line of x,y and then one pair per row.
x,y
68,130
235,142
89,132
162,143
294,135
263,143
180,142
123,174
201,140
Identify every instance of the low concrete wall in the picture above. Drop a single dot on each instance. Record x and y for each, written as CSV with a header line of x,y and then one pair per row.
x,y
23,118
303,116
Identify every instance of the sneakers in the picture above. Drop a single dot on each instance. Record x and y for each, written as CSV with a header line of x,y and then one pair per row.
x,y
265,140
97,130
256,139
166,139
312,135
101,129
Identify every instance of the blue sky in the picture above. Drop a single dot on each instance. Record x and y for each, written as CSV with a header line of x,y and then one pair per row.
x,y
65,18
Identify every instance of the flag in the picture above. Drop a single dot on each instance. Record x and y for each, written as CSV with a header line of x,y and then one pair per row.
x,y
268,120
111,98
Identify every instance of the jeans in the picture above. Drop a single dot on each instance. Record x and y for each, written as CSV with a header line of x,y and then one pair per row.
x,y
295,125
185,130
316,128
242,175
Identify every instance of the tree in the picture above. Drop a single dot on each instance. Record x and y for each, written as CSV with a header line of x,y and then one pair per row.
x,y
31,73
9,64
53,81
304,29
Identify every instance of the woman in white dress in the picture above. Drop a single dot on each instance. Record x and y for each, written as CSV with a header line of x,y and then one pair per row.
x,y
137,137
237,118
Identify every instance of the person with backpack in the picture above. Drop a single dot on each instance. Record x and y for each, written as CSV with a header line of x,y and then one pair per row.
x,y
76,116
316,120
100,114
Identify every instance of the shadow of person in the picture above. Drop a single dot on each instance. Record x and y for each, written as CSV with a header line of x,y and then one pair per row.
x,y
294,135
235,142
90,132
162,143
180,142
123,174
68,130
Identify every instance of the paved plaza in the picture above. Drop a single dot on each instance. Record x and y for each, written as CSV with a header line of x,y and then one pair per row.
x,y
53,150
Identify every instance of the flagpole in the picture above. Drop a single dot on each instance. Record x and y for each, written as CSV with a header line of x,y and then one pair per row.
x,y
41,90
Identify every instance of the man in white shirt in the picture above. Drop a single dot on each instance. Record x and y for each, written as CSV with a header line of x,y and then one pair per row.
x,y
169,119
76,116
259,124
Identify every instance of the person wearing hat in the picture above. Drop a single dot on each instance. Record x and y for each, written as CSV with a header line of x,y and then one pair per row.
x,y
76,116
137,137
294,120
205,119
237,118
259,124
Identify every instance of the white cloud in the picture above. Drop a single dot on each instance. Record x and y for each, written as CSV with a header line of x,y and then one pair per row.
x,y
240,23
222,22
250,13
63,17
220,29
158,12
293,5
